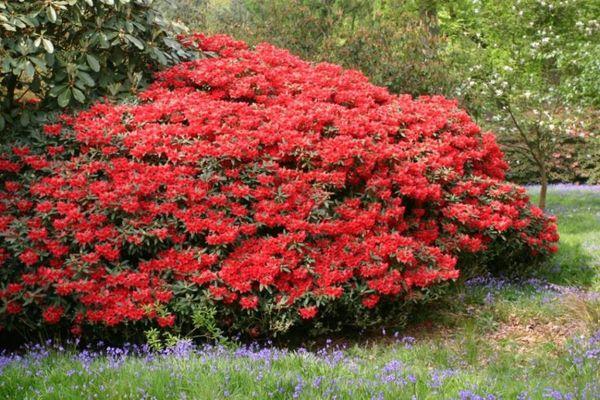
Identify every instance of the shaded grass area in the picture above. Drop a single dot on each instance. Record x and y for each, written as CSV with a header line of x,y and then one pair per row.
x,y
490,338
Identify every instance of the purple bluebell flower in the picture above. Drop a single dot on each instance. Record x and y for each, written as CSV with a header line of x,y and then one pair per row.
x,y
565,188
317,381
408,341
298,388
378,396
551,393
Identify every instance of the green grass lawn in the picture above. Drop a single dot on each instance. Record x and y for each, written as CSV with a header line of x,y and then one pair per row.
x,y
490,339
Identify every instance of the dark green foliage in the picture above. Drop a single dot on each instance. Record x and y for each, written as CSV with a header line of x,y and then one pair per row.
x,y
575,160
63,53
395,43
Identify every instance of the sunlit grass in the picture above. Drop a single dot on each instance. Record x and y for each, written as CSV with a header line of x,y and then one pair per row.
x,y
578,261
436,368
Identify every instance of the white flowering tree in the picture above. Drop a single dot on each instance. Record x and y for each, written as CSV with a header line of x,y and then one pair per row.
x,y
535,75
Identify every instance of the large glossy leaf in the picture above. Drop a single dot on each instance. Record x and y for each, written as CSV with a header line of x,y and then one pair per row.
x,y
136,42
51,14
29,69
48,46
79,96
56,90
85,77
93,62
64,98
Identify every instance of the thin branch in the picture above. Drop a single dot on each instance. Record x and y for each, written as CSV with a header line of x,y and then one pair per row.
x,y
523,135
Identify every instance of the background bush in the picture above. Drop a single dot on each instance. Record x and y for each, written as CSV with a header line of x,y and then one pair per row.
x,y
63,53
257,192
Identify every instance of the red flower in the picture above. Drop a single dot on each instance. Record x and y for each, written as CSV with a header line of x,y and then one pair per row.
x,y
52,130
249,302
13,288
14,308
53,314
308,312
168,320
29,257
254,332
370,301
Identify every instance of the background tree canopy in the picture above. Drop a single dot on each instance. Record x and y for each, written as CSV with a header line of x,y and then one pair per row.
x,y
527,69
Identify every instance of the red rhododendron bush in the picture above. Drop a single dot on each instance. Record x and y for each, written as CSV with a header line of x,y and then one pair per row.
x,y
269,189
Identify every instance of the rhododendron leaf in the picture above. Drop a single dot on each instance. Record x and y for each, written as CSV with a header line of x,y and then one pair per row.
x,y
85,77
56,90
48,46
78,95
137,42
93,62
51,14
64,98
29,69
24,119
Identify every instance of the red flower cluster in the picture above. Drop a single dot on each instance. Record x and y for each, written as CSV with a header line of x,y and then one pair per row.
x,y
260,180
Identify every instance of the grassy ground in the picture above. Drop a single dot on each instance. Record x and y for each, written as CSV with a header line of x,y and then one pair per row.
x,y
489,339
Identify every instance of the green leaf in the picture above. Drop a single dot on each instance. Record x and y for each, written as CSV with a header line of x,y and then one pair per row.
x,y
84,76
160,56
103,41
48,46
79,96
93,62
137,42
9,27
29,69
19,23
64,98
2,123
24,120
56,90
80,84
51,14
38,62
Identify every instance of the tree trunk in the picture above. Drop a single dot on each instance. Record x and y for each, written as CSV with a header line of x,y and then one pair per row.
x,y
10,82
543,188
429,16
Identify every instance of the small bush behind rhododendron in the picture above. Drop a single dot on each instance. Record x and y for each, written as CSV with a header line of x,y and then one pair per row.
x,y
273,192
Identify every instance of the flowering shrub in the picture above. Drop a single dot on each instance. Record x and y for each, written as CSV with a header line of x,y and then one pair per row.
x,y
265,186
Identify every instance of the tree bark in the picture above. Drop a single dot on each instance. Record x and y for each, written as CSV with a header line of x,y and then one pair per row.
x,y
429,15
10,81
543,188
